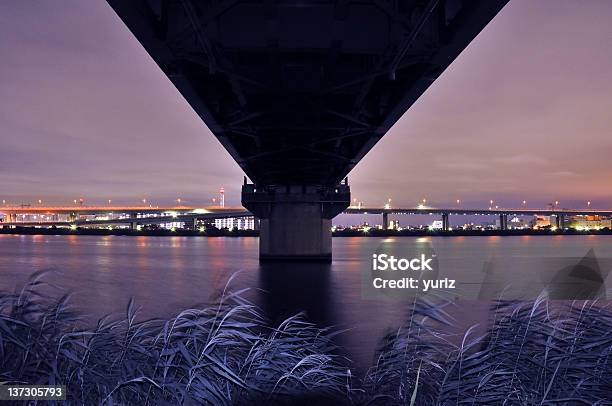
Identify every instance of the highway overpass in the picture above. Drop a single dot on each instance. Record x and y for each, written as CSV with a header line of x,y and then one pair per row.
x,y
135,216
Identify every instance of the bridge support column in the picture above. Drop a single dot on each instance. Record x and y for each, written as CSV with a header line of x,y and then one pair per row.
x,y
295,220
445,222
559,221
503,222
134,226
385,221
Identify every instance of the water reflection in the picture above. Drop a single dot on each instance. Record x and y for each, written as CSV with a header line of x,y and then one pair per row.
x,y
288,288
166,275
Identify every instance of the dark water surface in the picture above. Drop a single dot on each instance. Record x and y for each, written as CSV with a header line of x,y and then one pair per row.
x,y
167,274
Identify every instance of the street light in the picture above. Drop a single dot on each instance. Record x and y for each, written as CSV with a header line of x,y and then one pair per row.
x,y
109,202
39,201
589,204
178,201
458,201
524,202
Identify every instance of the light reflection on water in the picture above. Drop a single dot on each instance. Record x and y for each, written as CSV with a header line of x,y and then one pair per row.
x,y
166,274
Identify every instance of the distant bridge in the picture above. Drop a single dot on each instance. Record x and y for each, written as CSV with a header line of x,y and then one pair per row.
x,y
135,215
560,215
183,214
26,209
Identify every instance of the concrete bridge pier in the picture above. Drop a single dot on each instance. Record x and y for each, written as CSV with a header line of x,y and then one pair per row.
x,y
134,224
503,222
385,221
445,222
295,220
560,221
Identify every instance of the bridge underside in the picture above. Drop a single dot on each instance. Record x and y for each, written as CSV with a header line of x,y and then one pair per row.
x,y
299,91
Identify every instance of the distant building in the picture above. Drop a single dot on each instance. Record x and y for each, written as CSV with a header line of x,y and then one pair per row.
x,y
394,225
541,222
239,223
517,223
590,223
437,225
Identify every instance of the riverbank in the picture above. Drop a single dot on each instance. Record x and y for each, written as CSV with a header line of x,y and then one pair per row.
x,y
211,232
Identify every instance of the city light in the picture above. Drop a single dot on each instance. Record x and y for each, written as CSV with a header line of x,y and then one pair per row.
x,y
104,215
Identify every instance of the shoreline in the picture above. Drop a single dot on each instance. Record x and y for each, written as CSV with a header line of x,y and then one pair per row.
x,y
255,233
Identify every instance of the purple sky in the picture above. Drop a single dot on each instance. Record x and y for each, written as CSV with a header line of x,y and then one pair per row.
x,y
525,112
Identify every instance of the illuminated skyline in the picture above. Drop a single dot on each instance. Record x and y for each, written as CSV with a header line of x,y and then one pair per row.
x,y
523,113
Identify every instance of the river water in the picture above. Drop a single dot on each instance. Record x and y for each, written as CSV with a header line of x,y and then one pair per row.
x,y
167,274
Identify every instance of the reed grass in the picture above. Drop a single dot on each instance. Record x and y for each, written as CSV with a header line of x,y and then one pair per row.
x,y
227,353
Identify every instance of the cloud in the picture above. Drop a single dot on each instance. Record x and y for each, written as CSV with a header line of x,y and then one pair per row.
x,y
522,159
462,165
565,174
